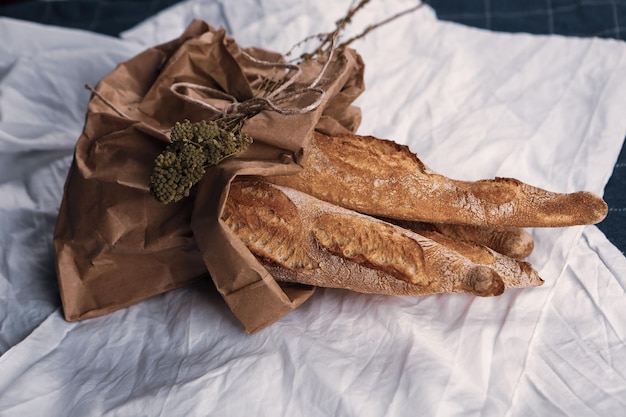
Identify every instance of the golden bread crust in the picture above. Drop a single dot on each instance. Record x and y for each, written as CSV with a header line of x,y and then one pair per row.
x,y
382,178
305,240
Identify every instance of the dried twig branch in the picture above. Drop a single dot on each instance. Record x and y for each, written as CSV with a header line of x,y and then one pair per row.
x,y
379,24
328,40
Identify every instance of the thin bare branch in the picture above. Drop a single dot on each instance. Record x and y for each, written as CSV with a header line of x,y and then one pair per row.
x,y
379,24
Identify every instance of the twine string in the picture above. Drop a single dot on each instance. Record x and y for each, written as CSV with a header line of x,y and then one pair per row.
x,y
272,101
235,108
107,102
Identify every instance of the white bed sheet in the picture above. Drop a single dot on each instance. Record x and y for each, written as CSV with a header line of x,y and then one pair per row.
x,y
473,103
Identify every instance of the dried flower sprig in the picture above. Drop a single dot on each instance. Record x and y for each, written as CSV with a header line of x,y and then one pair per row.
x,y
194,147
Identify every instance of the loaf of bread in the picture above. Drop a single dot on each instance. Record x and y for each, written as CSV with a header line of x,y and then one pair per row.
x,y
367,215
382,178
302,239
509,241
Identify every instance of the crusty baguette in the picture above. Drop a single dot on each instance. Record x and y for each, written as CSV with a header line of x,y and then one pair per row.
x,y
301,239
509,241
384,179
513,242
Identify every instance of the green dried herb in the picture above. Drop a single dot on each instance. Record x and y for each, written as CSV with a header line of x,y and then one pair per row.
x,y
194,147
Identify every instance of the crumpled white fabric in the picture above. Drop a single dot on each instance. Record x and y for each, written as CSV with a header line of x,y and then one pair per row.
x,y
577,362
472,103
42,112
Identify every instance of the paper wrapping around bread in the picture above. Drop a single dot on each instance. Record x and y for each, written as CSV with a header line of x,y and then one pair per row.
x,y
301,239
116,244
382,178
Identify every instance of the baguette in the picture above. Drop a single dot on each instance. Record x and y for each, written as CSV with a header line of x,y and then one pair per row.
x,y
513,242
302,239
384,179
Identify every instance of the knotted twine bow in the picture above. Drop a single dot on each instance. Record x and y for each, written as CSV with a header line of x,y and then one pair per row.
x,y
255,105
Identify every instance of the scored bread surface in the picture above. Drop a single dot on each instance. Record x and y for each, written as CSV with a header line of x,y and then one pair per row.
x,y
385,179
302,239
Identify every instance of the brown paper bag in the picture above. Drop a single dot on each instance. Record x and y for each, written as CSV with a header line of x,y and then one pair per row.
x,y
115,244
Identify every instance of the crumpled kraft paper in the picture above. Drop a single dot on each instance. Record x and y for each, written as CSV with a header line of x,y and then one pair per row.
x,y
116,245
